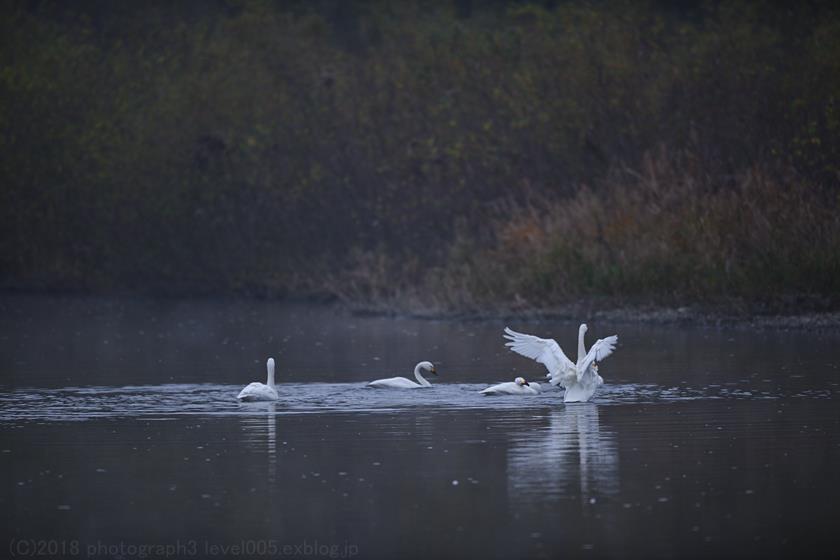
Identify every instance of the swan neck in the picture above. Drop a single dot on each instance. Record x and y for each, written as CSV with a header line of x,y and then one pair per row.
x,y
270,380
419,376
581,347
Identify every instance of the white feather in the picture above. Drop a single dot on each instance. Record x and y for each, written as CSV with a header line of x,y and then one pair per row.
x,y
516,387
261,391
544,350
403,383
580,380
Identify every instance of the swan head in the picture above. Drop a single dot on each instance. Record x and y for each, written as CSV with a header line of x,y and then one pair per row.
x,y
521,381
428,366
270,364
583,328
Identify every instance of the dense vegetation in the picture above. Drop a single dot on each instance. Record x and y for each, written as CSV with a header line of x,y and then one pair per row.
x,y
453,154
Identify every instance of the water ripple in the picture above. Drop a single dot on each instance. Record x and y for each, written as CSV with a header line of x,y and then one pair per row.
x,y
81,403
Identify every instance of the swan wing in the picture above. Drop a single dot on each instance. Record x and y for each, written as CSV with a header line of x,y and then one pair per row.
x,y
511,388
499,389
257,392
564,378
394,383
544,350
602,348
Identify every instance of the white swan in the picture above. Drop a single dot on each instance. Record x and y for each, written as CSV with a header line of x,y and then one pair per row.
x,y
581,380
261,391
403,383
516,387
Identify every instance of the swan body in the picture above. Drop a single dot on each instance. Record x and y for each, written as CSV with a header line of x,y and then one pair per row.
x,y
403,383
580,379
261,391
516,387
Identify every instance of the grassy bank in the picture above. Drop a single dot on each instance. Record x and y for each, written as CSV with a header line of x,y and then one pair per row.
x,y
664,233
446,155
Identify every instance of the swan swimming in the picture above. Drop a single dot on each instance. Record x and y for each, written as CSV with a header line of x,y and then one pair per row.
x,y
403,383
581,380
261,391
516,387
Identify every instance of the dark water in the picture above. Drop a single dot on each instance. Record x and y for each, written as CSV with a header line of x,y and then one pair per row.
x,y
121,437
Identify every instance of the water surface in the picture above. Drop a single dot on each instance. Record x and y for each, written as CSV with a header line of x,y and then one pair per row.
x,y
120,427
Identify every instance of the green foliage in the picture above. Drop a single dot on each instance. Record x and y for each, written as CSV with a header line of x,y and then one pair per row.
x,y
348,148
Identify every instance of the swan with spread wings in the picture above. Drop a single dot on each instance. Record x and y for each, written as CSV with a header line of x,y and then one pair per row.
x,y
580,379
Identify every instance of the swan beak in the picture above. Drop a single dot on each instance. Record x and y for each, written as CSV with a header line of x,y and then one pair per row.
x,y
434,371
526,384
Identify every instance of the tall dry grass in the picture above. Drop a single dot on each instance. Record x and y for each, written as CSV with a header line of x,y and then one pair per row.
x,y
670,229
666,232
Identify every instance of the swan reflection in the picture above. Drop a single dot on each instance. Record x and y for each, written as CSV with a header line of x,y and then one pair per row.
x,y
261,435
571,456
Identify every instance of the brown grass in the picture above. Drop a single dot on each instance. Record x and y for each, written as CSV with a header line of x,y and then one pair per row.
x,y
665,232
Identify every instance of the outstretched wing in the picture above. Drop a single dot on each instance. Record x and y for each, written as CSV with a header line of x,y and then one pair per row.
x,y
602,348
544,350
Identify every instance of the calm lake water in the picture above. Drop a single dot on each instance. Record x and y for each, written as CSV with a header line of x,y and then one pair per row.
x,y
122,437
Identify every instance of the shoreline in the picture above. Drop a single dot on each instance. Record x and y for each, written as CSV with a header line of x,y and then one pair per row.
x,y
695,315
795,313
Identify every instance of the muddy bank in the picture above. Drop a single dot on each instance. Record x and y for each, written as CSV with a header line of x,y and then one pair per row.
x,y
809,315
